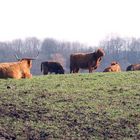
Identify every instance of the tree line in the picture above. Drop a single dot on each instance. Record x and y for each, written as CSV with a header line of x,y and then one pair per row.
x,y
126,51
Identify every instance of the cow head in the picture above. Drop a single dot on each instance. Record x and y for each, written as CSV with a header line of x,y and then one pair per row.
x,y
100,53
113,63
27,61
61,71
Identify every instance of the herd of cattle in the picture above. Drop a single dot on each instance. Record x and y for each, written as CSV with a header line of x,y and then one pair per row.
x,y
90,61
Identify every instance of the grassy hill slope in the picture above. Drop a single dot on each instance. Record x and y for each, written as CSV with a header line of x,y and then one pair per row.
x,y
71,106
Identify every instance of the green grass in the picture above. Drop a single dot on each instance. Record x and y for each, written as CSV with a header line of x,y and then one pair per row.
x,y
71,106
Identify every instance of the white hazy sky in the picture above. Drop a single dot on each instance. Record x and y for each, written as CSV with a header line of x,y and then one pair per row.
x,y
86,21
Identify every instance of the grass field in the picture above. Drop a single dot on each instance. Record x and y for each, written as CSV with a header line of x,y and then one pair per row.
x,y
71,107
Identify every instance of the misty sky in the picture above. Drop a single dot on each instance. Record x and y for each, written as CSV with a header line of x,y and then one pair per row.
x,y
86,21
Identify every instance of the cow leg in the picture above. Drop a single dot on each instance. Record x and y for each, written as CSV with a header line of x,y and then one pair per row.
x,y
27,75
90,69
74,69
45,72
71,69
16,75
77,70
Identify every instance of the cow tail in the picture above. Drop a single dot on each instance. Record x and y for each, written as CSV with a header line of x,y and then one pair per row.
x,y
41,67
71,63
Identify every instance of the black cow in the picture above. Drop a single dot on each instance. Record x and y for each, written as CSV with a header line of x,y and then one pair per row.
x,y
133,67
51,67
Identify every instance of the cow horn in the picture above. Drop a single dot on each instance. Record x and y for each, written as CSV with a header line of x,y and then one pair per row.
x,y
32,58
17,57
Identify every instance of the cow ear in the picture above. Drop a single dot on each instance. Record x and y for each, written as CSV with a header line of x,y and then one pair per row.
x,y
29,63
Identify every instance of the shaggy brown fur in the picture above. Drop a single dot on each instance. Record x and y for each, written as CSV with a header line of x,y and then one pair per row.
x,y
115,67
133,67
88,61
17,70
